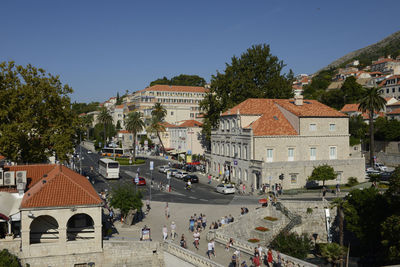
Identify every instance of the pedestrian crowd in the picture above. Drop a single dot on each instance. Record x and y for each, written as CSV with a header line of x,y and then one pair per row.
x,y
221,223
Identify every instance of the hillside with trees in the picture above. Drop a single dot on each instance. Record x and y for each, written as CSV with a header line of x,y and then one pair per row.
x,y
183,79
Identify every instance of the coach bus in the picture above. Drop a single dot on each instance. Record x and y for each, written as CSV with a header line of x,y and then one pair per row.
x,y
109,168
109,152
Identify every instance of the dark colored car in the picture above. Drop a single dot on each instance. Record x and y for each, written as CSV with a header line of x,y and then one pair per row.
x,y
193,178
313,185
177,166
385,176
142,181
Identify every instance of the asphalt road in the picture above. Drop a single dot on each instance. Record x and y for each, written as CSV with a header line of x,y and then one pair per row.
x,y
201,193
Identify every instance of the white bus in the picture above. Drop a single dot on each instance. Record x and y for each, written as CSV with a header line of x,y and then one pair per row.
x,y
109,168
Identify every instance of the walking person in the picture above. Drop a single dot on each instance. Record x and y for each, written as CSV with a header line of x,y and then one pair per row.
x,y
166,211
196,237
165,232
209,249
148,204
209,179
323,192
204,221
269,258
173,233
183,241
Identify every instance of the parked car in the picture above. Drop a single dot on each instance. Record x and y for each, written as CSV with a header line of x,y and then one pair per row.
x,y
380,167
181,174
177,166
193,178
312,185
225,189
385,176
173,172
163,169
142,181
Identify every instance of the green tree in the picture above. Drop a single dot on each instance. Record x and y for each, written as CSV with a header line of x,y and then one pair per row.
x,y
105,119
188,80
333,98
357,129
332,252
87,121
36,119
159,112
256,74
163,80
80,108
391,238
124,198
156,127
134,124
322,173
292,244
98,132
119,99
371,102
352,91
318,85
8,260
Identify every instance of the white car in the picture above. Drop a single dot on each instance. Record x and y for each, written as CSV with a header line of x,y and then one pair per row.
x,y
225,189
163,169
381,167
181,174
89,152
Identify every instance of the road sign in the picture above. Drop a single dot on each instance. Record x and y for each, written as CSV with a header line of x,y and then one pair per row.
x,y
136,180
151,165
168,175
235,162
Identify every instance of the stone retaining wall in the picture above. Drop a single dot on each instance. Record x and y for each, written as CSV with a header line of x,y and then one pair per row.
x,y
115,253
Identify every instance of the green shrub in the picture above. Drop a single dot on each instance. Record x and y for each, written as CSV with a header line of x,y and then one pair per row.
x,y
352,181
292,244
331,252
8,259
309,210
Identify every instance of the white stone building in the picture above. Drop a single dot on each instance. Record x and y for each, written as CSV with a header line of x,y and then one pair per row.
x,y
186,137
260,139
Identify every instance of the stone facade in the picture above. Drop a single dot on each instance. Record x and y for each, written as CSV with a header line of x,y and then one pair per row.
x,y
240,156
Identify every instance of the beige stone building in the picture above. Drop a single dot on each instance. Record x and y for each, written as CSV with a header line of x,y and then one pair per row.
x,y
260,139
60,213
186,137
181,102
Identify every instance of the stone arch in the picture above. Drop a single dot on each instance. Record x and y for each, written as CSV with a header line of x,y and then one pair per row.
x,y
43,229
80,227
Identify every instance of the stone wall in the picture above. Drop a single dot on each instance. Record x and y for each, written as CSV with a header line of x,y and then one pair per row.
x,y
314,222
115,253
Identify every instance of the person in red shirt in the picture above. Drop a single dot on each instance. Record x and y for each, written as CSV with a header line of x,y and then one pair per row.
x,y
269,258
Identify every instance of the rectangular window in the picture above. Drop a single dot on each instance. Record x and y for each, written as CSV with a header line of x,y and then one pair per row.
x,y
313,127
393,90
313,153
339,177
233,151
191,115
240,152
293,178
332,127
245,153
291,154
270,155
172,113
222,125
387,91
332,152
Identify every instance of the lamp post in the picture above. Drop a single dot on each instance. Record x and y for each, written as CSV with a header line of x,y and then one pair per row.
x,y
80,153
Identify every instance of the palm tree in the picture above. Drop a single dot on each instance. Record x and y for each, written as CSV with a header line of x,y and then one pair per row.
x,y
87,121
372,102
104,118
159,112
156,127
134,124
341,205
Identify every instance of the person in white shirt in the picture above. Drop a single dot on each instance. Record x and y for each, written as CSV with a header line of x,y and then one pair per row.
x,y
165,232
173,233
209,249
196,237
259,248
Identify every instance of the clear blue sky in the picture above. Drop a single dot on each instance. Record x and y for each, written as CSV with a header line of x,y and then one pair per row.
x,y
104,47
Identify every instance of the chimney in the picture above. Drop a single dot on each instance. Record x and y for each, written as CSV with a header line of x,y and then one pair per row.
x,y
298,100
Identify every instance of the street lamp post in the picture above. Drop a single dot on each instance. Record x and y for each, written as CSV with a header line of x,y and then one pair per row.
x,y
80,153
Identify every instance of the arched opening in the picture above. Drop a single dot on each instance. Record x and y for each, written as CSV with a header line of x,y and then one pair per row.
x,y
80,227
43,229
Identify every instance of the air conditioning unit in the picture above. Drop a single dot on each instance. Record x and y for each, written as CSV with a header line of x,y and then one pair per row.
x,y
9,178
1,177
20,186
20,177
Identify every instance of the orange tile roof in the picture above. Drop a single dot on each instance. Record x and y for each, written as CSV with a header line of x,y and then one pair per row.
x,y
2,157
168,125
34,173
383,83
272,121
190,123
119,106
382,61
350,108
123,131
61,187
175,88
395,111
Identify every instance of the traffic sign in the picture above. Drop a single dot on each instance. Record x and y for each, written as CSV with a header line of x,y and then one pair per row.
x,y
235,162
168,175
136,180
151,165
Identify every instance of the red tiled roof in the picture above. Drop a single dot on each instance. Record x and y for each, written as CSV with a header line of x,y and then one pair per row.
x,y
168,125
272,121
119,106
61,188
175,88
383,83
2,157
350,108
382,61
190,123
395,111
34,173
123,131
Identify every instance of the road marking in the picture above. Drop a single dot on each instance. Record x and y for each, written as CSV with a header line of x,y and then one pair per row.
x,y
203,199
192,197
